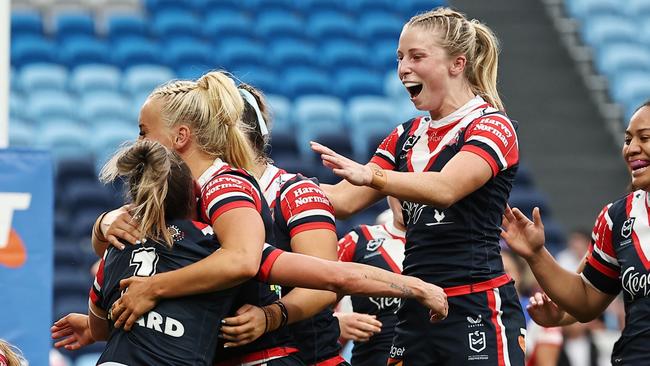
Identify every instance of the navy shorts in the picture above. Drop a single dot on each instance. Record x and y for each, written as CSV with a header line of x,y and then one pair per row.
x,y
482,328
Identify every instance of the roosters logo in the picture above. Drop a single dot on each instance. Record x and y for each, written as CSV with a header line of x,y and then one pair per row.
x,y
12,249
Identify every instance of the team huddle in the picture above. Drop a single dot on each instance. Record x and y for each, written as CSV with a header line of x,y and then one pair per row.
x,y
218,257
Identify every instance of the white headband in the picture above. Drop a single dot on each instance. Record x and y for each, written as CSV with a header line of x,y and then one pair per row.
x,y
253,102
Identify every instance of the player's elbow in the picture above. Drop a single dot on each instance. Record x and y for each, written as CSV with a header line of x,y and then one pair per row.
x,y
343,279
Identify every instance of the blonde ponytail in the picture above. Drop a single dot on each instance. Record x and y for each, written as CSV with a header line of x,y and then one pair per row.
x,y
149,168
213,108
460,36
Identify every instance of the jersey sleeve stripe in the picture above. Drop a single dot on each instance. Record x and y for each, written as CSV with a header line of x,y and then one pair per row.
x,y
311,213
492,162
214,215
311,226
269,257
230,195
605,257
493,146
383,162
602,268
386,155
600,282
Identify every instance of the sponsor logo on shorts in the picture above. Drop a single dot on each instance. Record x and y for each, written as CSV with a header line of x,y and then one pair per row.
x,y
475,322
477,341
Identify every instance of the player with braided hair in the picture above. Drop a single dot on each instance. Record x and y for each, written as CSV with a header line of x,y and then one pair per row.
x,y
453,171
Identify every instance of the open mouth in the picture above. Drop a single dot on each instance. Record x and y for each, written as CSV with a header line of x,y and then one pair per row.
x,y
639,166
414,89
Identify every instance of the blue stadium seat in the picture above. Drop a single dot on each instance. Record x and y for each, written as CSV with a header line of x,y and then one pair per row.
x,y
95,77
17,106
639,8
51,104
184,54
320,110
523,179
320,6
370,116
65,138
385,55
378,26
597,31
585,9
629,85
74,25
143,79
353,82
260,77
132,51
83,50
42,77
221,24
31,49
393,87
87,195
156,7
77,168
167,25
98,107
206,6
363,6
26,23
107,141
277,25
300,81
270,6
406,110
21,134
526,199
337,140
331,25
412,7
293,164
338,54
283,144
126,25
615,58
13,79
280,108
289,53
235,54
68,257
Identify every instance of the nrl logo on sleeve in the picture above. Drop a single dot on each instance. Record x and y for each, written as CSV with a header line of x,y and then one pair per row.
x,y
374,244
626,230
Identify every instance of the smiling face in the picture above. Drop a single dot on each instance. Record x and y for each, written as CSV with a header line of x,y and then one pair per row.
x,y
423,67
636,149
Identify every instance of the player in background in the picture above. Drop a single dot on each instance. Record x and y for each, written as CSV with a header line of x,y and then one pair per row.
x,y
453,171
617,259
303,223
380,246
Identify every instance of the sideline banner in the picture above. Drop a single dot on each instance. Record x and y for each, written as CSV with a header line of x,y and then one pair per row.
x,y
26,247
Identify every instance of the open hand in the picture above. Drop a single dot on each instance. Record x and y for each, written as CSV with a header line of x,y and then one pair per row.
x,y
119,224
72,332
133,303
523,236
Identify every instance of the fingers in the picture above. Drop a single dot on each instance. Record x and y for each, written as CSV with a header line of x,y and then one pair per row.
x,y
321,149
114,241
61,333
126,283
537,217
115,312
123,234
130,321
65,342
237,333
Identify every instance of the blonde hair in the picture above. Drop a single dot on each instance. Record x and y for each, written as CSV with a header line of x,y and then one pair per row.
x,y
213,108
13,355
475,40
159,185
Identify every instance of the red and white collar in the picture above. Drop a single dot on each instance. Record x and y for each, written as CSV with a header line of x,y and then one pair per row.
x,y
216,166
458,114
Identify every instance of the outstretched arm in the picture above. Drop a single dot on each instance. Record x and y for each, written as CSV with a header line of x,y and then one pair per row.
x,y
565,288
462,175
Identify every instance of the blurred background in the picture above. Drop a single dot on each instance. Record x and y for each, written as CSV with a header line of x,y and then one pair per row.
x,y
571,73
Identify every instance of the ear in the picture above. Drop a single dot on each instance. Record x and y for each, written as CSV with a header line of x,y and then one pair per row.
x,y
457,66
182,138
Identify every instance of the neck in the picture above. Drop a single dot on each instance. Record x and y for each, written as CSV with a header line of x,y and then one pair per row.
x,y
198,162
452,102
258,168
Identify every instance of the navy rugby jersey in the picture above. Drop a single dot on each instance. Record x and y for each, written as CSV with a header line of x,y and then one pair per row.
x,y
298,204
224,188
380,246
619,259
458,245
179,331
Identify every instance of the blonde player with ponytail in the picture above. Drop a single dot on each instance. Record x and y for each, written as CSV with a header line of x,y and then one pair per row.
x,y
452,169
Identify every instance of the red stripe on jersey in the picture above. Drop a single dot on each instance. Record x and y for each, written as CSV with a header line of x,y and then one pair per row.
x,y
227,183
346,248
483,154
93,296
366,233
602,268
603,233
389,260
99,278
500,131
266,266
492,304
382,162
199,225
230,206
304,196
639,250
311,226
275,177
